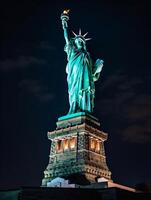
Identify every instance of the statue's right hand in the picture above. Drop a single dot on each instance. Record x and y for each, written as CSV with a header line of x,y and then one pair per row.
x,y
64,24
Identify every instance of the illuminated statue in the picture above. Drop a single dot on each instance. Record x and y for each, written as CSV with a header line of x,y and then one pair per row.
x,y
81,72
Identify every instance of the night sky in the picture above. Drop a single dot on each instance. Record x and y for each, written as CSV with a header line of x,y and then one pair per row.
x,y
34,88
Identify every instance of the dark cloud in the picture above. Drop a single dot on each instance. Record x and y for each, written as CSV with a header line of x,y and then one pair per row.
x,y
138,133
37,89
20,62
46,45
126,100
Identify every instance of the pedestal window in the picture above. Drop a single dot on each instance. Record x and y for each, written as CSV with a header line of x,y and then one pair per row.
x,y
72,143
66,144
59,146
94,145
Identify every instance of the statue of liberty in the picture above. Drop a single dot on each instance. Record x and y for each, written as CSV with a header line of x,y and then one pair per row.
x,y
81,71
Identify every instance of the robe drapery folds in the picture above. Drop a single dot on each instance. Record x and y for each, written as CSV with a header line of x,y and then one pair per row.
x,y
81,75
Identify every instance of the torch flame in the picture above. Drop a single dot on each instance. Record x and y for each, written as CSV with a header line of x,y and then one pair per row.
x,y
66,11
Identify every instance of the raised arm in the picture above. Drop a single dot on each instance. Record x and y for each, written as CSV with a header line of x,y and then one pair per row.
x,y
65,18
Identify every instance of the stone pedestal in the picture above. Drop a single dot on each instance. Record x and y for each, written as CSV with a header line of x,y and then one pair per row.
x,y
77,150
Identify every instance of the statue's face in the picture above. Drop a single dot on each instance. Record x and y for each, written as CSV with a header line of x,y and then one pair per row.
x,y
79,43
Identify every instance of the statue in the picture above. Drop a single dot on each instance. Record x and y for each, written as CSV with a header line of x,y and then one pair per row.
x,y
81,71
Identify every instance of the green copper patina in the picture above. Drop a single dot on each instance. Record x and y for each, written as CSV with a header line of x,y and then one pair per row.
x,y
82,72
73,115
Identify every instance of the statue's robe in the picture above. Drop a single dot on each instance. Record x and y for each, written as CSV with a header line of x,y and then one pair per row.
x,y
81,75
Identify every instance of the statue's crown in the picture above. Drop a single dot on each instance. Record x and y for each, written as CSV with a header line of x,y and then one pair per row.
x,y
81,36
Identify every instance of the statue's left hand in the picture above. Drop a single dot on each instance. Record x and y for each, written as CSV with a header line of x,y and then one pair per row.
x,y
97,69
98,66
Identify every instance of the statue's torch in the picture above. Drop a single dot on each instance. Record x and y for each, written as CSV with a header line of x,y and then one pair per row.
x,y
65,18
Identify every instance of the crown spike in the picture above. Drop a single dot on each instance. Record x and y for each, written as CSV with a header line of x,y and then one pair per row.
x,y
88,39
80,31
74,34
85,34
